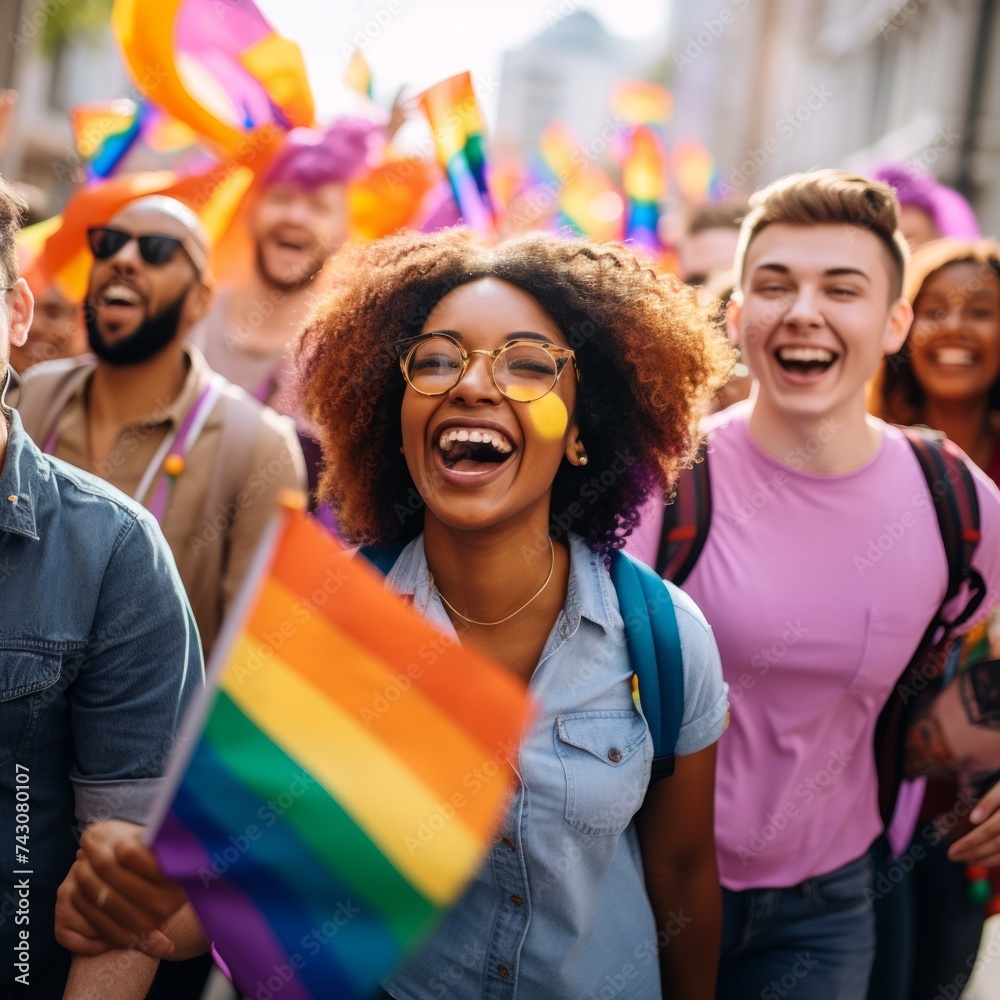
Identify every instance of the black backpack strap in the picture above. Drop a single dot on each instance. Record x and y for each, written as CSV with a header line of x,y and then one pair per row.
x,y
956,505
686,520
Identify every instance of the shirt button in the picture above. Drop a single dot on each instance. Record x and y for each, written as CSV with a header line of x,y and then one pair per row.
x,y
508,842
614,754
516,900
504,971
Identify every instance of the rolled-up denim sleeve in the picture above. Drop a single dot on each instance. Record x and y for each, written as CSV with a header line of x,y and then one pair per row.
x,y
142,665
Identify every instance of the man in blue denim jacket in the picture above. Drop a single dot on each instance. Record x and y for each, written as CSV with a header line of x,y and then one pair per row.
x,y
98,657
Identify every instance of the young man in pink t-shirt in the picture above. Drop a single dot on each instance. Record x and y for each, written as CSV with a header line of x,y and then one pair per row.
x,y
814,631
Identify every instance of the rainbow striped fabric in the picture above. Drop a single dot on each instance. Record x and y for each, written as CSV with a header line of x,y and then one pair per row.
x,y
460,140
221,69
644,176
104,132
325,817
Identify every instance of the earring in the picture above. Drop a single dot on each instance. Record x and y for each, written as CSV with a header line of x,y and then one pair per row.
x,y
583,459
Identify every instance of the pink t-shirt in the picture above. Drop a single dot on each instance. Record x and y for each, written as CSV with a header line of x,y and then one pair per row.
x,y
818,588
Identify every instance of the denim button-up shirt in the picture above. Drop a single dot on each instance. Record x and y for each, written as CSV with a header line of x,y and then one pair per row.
x,y
559,909
98,656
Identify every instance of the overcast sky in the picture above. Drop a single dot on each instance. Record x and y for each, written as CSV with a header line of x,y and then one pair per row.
x,y
419,42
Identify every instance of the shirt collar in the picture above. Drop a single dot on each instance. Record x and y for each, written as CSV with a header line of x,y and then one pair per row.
x,y
21,469
173,413
588,593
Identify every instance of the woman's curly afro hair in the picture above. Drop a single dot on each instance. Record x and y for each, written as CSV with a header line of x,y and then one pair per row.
x,y
649,355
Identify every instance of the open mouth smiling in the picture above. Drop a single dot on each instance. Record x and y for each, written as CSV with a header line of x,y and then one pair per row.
x,y
119,294
473,449
805,360
958,357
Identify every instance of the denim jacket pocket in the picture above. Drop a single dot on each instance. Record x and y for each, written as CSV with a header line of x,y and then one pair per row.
x,y
24,675
606,759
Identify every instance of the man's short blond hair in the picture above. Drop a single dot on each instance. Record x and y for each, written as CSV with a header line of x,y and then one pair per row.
x,y
825,197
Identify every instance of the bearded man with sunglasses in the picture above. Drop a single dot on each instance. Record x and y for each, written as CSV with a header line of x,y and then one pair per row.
x,y
147,414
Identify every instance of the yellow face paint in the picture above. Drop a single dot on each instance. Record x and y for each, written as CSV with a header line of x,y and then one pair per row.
x,y
548,415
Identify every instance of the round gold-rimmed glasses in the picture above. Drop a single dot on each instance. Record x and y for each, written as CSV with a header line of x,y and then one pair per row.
x,y
523,370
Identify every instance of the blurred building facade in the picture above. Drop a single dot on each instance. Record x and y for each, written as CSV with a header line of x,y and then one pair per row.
x,y
774,86
566,74
40,148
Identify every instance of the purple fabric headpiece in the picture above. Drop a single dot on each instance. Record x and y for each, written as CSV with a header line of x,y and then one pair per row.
x,y
948,210
311,158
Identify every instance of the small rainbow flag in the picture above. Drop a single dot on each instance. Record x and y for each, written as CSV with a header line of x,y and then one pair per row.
x,y
358,75
323,820
644,174
104,132
586,198
637,102
694,170
460,140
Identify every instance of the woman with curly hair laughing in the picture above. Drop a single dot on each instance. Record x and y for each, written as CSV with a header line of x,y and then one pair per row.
x,y
501,413
494,418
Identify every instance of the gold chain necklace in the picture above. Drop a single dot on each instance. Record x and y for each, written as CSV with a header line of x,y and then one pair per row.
x,y
473,621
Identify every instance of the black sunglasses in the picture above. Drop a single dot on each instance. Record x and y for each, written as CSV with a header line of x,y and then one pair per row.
x,y
154,248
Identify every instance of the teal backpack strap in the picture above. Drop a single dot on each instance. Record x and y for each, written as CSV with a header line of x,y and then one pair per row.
x,y
382,557
654,649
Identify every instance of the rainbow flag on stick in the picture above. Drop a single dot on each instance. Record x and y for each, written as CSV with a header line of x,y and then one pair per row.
x,y
321,824
104,132
358,75
460,140
644,174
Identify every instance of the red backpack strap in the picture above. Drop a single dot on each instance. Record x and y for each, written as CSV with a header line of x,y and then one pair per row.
x,y
686,520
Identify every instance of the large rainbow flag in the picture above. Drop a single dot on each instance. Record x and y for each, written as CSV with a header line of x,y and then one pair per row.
x,y
219,68
460,140
323,819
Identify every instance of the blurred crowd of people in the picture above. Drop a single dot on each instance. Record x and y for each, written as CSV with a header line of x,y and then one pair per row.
x,y
154,428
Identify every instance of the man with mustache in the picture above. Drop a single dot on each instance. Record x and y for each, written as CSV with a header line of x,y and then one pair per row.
x,y
297,222
149,416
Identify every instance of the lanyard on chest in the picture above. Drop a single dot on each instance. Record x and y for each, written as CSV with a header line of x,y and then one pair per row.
x,y
168,462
